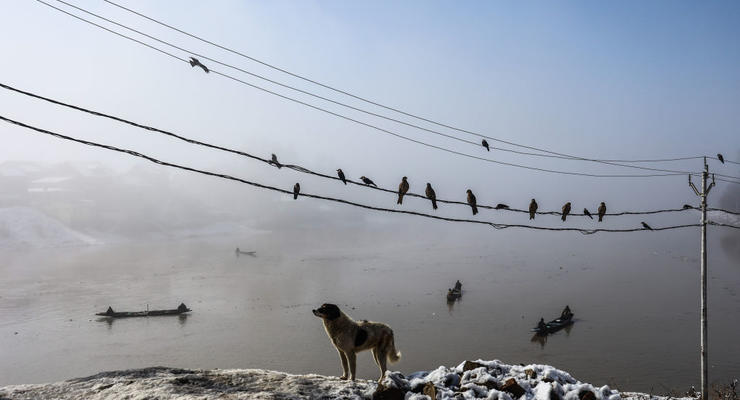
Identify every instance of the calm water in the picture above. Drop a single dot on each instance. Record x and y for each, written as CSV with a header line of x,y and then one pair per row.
x,y
636,307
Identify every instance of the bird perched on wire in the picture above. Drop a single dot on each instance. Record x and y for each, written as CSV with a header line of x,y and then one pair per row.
x,y
566,210
720,158
587,213
472,202
485,144
275,161
403,187
602,210
367,181
687,207
431,195
532,209
646,226
501,206
296,190
194,62
340,173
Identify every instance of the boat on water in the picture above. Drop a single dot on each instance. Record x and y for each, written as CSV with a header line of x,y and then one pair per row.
x,y
181,309
455,293
543,328
245,253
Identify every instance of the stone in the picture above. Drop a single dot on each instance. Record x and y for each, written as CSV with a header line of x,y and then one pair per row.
x,y
471,365
512,387
530,373
430,390
388,393
586,395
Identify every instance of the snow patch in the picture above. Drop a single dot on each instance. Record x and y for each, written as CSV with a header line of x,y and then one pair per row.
x,y
477,380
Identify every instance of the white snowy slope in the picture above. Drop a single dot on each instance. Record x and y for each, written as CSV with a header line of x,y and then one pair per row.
x,y
26,227
469,380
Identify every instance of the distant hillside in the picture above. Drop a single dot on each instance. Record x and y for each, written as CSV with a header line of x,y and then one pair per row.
x,y
26,227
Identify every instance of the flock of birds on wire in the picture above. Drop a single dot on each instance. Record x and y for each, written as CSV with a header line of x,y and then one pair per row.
x,y
403,188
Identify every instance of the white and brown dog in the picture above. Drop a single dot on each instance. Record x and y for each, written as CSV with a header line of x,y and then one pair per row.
x,y
351,337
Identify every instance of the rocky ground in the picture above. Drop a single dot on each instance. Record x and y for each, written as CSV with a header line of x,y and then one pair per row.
x,y
469,380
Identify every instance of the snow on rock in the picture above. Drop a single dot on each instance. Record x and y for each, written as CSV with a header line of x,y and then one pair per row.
x,y
490,380
26,227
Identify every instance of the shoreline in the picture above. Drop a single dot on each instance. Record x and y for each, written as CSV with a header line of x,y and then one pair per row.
x,y
470,379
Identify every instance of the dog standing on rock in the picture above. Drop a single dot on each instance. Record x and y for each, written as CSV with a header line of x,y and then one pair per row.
x,y
351,337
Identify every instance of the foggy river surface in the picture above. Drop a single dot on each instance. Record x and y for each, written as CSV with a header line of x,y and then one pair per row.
x,y
636,308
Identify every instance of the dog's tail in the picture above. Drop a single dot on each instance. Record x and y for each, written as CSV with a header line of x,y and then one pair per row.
x,y
393,354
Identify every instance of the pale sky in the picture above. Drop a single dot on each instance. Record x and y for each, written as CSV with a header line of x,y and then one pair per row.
x,y
603,80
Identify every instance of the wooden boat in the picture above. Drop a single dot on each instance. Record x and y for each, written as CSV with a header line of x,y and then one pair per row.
x,y
246,253
456,293
453,295
554,325
181,309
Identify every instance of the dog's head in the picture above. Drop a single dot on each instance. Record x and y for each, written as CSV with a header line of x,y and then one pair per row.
x,y
327,311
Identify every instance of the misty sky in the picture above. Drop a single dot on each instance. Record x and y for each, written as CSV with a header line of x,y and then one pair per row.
x,y
603,80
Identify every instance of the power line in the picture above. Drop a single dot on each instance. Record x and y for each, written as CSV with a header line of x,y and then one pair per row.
x,y
723,210
675,173
272,188
721,224
477,135
298,167
350,106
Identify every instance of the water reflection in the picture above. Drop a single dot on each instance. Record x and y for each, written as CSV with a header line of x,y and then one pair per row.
x,y
181,319
539,338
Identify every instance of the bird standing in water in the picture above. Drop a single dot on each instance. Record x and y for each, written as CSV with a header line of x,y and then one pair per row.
x,y
403,187
194,62
532,209
485,144
602,210
646,226
431,195
340,173
367,181
720,158
296,190
587,213
275,161
472,202
566,210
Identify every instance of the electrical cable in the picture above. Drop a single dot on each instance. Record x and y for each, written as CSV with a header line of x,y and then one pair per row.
x,y
297,167
263,186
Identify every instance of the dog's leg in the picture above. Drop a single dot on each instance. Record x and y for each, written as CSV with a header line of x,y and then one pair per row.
x,y
352,358
381,360
377,362
345,368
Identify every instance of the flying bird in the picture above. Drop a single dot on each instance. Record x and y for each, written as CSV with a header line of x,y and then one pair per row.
x,y
194,62
296,190
275,161
532,209
341,176
721,159
431,195
472,202
566,210
403,187
501,206
602,210
646,226
587,213
367,181
687,207
485,144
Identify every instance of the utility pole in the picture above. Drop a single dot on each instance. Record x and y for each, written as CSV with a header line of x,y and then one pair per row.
x,y
704,349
